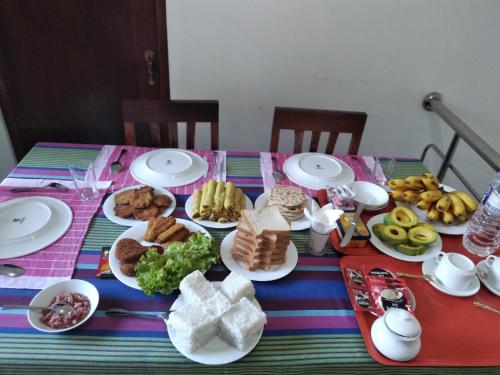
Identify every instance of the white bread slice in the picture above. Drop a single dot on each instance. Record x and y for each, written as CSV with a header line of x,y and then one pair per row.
x,y
245,231
265,220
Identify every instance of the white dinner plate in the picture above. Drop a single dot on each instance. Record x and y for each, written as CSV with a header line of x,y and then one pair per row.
x,y
137,233
109,206
46,222
429,268
292,257
188,207
216,351
314,170
168,167
430,253
456,228
300,224
484,274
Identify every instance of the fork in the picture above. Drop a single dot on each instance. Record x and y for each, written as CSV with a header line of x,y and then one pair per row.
x,y
133,314
55,185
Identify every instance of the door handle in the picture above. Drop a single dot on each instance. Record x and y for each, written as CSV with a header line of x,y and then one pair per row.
x,y
150,67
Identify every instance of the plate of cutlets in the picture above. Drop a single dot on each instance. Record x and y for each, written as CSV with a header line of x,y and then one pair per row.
x,y
135,241
135,204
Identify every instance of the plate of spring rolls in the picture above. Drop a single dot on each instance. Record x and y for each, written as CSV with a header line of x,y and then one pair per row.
x,y
217,204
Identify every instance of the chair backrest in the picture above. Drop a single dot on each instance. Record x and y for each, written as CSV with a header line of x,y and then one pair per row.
x,y
162,118
317,121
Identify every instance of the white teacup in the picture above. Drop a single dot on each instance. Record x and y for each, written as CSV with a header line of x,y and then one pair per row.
x,y
493,264
455,271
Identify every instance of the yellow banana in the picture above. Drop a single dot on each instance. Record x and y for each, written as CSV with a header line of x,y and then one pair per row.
x,y
431,196
469,202
411,196
443,204
414,182
447,217
463,217
396,184
424,205
433,214
397,195
457,205
431,183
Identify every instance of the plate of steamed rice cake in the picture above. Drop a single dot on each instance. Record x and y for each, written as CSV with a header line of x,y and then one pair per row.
x,y
217,204
215,323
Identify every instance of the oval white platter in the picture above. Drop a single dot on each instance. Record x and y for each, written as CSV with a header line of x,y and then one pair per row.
x,y
109,206
188,207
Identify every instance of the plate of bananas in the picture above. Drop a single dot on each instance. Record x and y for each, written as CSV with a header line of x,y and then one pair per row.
x,y
446,208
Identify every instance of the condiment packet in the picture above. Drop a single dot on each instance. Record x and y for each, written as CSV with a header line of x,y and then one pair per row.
x,y
356,278
361,300
390,296
103,269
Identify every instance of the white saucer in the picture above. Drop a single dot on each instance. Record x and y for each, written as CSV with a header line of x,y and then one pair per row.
x,y
372,196
430,253
216,351
55,218
292,257
429,268
315,170
455,228
188,207
21,218
109,206
483,273
168,167
300,224
137,233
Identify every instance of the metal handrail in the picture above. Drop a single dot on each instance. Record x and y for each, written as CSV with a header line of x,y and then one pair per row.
x,y
433,102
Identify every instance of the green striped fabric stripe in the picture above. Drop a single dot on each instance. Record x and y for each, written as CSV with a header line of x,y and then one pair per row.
x,y
404,169
243,167
44,157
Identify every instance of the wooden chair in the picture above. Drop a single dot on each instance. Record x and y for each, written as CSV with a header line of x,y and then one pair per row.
x,y
162,118
317,121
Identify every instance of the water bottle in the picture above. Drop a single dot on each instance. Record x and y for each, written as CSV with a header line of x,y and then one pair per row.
x,y
482,236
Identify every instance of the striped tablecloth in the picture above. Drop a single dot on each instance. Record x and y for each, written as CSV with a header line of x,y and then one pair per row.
x,y
311,329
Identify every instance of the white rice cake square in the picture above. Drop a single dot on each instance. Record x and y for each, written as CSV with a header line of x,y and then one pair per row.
x,y
236,287
196,289
218,305
241,323
193,326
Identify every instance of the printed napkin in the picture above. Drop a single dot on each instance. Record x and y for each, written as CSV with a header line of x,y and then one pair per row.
x,y
109,153
57,261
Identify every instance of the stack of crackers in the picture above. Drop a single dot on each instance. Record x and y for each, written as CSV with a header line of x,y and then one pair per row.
x,y
290,201
261,239
140,203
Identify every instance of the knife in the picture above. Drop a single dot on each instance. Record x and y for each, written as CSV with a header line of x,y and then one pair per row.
x,y
350,230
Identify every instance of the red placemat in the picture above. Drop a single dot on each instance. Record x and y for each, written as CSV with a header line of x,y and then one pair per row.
x,y
454,331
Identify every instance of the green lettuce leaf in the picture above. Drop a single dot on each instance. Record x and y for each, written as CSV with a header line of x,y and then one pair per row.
x,y
163,273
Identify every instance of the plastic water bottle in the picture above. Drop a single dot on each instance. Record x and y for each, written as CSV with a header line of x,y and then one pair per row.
x,y
482,236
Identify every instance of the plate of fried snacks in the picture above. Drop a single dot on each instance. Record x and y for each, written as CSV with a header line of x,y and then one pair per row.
x,y
135,204
217,204
156,245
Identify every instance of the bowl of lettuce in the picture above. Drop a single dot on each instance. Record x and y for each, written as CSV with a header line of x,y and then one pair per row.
x,y
157,273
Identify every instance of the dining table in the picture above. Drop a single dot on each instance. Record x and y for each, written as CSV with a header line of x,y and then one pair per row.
x,y
311,325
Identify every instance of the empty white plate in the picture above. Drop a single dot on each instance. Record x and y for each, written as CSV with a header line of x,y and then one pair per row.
x,y
168,167
315,170
50,219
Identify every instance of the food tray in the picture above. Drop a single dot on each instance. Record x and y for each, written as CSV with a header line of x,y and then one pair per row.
x,y
454,331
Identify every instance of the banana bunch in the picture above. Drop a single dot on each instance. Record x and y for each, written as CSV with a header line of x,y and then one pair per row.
x,y
425,193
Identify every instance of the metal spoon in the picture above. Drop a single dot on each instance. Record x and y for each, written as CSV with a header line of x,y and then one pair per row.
x,y
133,314
424,276
277,174
11,270
486,307
354,221
61,308
116,166
55,185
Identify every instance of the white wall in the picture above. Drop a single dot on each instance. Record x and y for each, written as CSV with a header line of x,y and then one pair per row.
x,y
7,159
380,56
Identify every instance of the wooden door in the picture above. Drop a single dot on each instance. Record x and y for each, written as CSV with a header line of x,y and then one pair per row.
x,y
65,66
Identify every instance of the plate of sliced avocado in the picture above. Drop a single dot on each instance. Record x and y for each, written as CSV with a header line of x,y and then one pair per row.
x,y
401,235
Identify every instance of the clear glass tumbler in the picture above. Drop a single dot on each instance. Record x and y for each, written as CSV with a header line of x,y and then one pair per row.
x,y
84,176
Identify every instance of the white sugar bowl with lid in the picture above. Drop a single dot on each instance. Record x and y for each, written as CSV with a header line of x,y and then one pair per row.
x,y
396,335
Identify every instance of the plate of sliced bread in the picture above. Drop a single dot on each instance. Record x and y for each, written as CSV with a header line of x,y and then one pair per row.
x,y
291,202
215,323
260,248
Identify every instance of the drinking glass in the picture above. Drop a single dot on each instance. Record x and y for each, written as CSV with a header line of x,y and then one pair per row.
x,y
382,169
84,176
